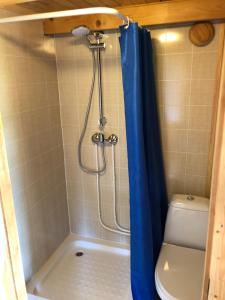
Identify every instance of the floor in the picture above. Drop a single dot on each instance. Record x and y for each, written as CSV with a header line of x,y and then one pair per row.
x,y
88,270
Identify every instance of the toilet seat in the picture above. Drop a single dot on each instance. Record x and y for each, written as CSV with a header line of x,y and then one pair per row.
x,y
179,273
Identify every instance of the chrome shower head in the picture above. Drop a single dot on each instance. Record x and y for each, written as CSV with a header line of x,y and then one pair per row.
x,y
81,31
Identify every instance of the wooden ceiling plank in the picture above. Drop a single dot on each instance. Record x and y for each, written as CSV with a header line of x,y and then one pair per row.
x,y
50,5
168,12
136,2
19,10
110,3
42,6
90,3
4,3
67,4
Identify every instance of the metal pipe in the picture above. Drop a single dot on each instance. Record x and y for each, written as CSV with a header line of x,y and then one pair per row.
x,y
119,227
105,226
67,13
102,119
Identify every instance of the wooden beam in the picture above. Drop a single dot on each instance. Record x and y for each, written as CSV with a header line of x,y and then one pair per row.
x,y
4,3
168,12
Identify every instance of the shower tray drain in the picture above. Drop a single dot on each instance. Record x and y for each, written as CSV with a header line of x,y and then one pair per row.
x,y
79,253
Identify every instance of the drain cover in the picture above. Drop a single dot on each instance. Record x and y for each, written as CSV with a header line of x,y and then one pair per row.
x,y
80,253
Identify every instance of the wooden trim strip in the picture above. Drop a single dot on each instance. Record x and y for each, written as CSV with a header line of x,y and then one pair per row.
x,y
215,251
215,105
157,13
13,257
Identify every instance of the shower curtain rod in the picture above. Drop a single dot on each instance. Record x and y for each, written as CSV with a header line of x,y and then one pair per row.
x,y
67,13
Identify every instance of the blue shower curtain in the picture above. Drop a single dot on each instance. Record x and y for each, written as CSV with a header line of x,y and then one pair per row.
x,y
148,200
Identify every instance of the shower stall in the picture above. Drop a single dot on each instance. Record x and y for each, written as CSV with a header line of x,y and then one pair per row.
x,y
97,161
96,44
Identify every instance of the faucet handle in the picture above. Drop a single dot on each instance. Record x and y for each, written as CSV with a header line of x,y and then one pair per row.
x,y
98,138
112,139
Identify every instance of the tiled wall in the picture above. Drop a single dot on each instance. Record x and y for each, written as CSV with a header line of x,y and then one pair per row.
x,y
185,85
185,77
29,105
74,62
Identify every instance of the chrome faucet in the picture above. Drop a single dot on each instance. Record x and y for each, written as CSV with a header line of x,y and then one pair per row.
x,y
99,138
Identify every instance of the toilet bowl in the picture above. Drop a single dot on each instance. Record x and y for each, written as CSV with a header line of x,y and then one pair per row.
x,y
180,266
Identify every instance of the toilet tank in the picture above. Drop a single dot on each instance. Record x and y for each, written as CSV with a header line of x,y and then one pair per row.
x,y
187,221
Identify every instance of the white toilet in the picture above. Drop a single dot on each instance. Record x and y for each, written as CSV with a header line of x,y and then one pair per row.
x,y
180,266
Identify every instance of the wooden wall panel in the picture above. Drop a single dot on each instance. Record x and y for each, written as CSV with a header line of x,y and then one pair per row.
x,y
215,252
13,283
7,288
215,105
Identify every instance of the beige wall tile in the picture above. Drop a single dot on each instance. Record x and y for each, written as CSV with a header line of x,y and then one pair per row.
x,y
197,164
173,92
175,163
198,141
174,140
204,65
65,46
69,115
202,91
171,40
173,66
176,116
195,185
65,71
175,184
200,117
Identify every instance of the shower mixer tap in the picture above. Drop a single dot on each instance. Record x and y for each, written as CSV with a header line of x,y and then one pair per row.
x,y
98,138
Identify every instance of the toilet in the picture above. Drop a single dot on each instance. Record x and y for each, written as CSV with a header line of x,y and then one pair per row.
x,y
180,266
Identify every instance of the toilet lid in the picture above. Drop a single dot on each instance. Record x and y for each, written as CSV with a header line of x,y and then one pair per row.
x,y
179,273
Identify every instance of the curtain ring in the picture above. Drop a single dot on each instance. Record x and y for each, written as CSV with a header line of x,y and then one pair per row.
x,y
126,26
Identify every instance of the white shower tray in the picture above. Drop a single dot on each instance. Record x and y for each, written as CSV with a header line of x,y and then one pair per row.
x,y
102,272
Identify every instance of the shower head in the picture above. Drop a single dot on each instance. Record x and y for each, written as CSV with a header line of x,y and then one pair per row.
x,y
81,31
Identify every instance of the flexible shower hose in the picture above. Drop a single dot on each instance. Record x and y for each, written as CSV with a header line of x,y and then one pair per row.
x,y
99,170
83,132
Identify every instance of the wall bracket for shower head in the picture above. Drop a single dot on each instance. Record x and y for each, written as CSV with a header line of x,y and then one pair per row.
x,y
96,39
97,46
